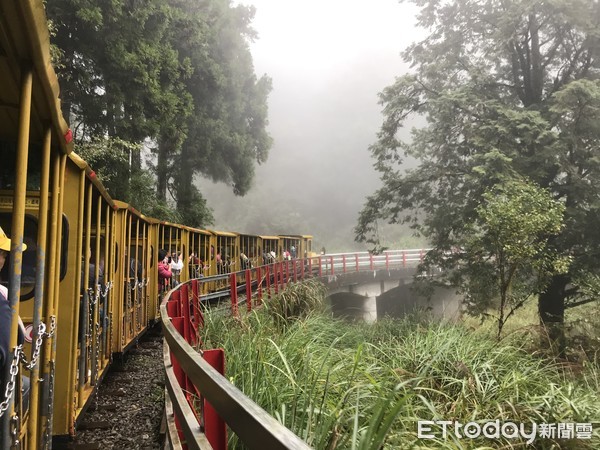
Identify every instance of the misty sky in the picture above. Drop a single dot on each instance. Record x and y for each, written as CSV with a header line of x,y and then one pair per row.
x,y
328,60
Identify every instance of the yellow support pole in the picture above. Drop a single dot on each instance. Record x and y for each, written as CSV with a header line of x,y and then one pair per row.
x,y
18,223
76,332
83,363
55,297
32,438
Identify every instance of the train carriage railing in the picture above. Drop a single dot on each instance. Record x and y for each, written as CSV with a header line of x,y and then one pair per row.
x,y
200,401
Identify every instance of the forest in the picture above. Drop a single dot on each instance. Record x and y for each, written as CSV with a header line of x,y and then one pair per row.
x,y
159,91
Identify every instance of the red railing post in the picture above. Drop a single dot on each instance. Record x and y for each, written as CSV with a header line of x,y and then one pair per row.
x,y
320,266
403,258
331,262
185,308
356,262
302,262
387,261
233,294
215,428
371,260
259,285
295,269
268,278
421,255
344,263
276,268
248,290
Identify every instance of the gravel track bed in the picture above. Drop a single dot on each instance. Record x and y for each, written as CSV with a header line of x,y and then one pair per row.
x,y
130,401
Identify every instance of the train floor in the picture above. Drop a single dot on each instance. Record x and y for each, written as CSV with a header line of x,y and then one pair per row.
x,y
127,410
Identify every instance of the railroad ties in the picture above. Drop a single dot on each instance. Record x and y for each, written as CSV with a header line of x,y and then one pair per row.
x,y
126,412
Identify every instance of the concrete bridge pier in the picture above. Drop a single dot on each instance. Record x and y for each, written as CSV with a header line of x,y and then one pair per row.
x,y
372,295
359,300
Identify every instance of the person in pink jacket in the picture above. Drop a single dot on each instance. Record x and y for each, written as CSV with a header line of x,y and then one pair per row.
x,y
164,270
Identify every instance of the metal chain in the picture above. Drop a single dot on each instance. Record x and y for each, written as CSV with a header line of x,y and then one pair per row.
x,y
98,356
107,287
41,334
15,422
10,386
52,327
92,296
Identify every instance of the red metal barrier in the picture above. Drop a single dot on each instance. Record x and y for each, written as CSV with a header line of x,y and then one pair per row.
x,y
233,294
259,285
248,290
185,312
215,427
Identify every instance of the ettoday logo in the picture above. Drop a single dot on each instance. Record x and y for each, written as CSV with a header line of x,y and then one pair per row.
x,y
432,429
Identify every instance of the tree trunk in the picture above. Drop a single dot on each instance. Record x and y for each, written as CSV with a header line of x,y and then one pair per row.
x,y
184,182
162,167
551,307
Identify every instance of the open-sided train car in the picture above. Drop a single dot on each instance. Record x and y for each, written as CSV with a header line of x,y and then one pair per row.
x,y
34,144
296,246
82,267
269,248
137,303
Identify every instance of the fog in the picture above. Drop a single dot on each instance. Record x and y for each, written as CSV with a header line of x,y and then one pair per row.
x,y
328,61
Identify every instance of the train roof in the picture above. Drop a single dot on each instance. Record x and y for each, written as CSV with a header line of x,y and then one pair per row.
x,y
118,204
224,233
83,165
21,48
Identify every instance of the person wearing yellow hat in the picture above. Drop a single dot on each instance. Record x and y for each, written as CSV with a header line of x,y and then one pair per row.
x,y
5,247
6,317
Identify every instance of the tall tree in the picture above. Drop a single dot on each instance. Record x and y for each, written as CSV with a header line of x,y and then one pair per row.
x,y
227,132
175,73
120,74
504,86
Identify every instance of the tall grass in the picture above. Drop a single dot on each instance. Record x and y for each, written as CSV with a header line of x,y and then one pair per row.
x,y
365,386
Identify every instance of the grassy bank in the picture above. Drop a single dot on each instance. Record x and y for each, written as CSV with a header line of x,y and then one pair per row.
x,y
364,386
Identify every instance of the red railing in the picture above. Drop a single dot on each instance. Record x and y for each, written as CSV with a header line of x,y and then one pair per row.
x,y
201,400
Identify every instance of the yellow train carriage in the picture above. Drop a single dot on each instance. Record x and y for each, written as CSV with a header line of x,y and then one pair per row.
x,y
250,251
85,306
268,246
174,238
199,259
34,143
135,306
225,252
296,246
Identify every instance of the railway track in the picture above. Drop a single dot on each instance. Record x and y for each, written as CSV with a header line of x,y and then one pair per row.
x,y
127,410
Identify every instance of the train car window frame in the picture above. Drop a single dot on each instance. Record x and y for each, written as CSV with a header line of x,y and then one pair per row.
x,y
30,238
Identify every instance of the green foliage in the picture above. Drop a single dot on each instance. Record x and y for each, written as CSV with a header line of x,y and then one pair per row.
x,y
506,254
109,158
175,73
508,89
365,386
296,301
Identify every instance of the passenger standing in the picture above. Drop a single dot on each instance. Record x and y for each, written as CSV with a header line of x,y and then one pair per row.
x,y
164,270
176,267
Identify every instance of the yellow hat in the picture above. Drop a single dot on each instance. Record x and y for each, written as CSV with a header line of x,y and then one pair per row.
x,y
5,242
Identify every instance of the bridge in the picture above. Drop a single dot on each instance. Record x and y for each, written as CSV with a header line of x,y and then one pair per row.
x,y
201,401
366,286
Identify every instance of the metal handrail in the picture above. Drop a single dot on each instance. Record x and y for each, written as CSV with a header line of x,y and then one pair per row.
x,y
255,427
